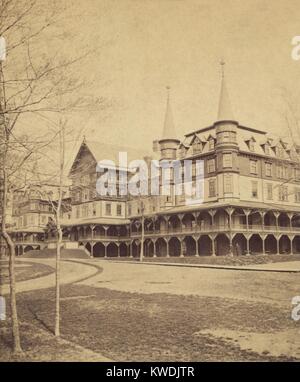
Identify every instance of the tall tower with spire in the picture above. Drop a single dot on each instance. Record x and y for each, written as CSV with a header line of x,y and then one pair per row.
x,y
226,145
168,144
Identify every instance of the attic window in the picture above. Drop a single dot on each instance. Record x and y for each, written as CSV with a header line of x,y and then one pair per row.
x,y
211,144
251,145
267,149
197,146
280,152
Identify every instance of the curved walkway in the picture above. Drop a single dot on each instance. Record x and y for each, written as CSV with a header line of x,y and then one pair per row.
x,y
71,271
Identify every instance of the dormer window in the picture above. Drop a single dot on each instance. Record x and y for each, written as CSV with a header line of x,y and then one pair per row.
x,y
251,145
267,149
197,146
280,152
211,144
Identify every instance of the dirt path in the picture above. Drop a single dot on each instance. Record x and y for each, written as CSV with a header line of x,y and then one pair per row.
x,y
71,271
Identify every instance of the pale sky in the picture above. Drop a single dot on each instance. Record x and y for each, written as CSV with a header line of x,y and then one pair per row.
x,y
146,45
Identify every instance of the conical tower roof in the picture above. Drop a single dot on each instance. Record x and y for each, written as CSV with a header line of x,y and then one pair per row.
x,y
169,127
225,111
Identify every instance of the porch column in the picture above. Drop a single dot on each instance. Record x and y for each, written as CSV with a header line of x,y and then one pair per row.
x,y
168,255
181,248
180,216
154,248
277,242
130,249
118,249
213,245
291,240
248,244
212,214
197,246
247,213
92,249
276,214
229,212
105,250
262,214
263,244
290,215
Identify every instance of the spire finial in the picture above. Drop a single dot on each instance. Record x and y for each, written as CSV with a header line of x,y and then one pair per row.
x,y
168,91
222,63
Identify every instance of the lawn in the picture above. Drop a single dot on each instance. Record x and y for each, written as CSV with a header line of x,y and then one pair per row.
x,y
24,270
219,260
155,327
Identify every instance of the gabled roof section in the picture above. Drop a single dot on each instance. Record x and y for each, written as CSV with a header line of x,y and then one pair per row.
x,y
105,152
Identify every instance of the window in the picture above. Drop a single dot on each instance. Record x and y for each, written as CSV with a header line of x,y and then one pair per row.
x,y
84,210
227,183
253,166
268,169
297,195
197,146
280,152
227,160
119,209
283,193
269,191
254,185
212,188
108,209
77,212
94,209
297,174
267,149
279,171
129,209
251,145
211,144
226,136
211,165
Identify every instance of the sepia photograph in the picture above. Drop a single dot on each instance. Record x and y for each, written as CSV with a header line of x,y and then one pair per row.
x,y
149,183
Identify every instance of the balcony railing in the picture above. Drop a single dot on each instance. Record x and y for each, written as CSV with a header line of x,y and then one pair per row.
x,y
217,228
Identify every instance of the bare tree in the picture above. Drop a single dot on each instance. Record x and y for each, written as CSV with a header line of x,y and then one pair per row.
x,y
31,80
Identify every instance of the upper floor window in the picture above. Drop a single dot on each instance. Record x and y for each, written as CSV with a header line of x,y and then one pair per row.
x,y
119,209
297,174
297,195
283,193
108,209
211,167
227,160
228,186
268,169
269,191
94,209
212,188
254,190
253,166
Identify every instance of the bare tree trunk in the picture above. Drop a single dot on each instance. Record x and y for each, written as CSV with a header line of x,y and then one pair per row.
x,y
58,226
57,282
12,277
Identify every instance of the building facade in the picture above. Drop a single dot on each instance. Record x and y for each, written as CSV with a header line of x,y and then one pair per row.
x,y
251,197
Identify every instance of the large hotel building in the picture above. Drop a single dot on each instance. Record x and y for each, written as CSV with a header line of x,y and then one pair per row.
x,y
251,201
